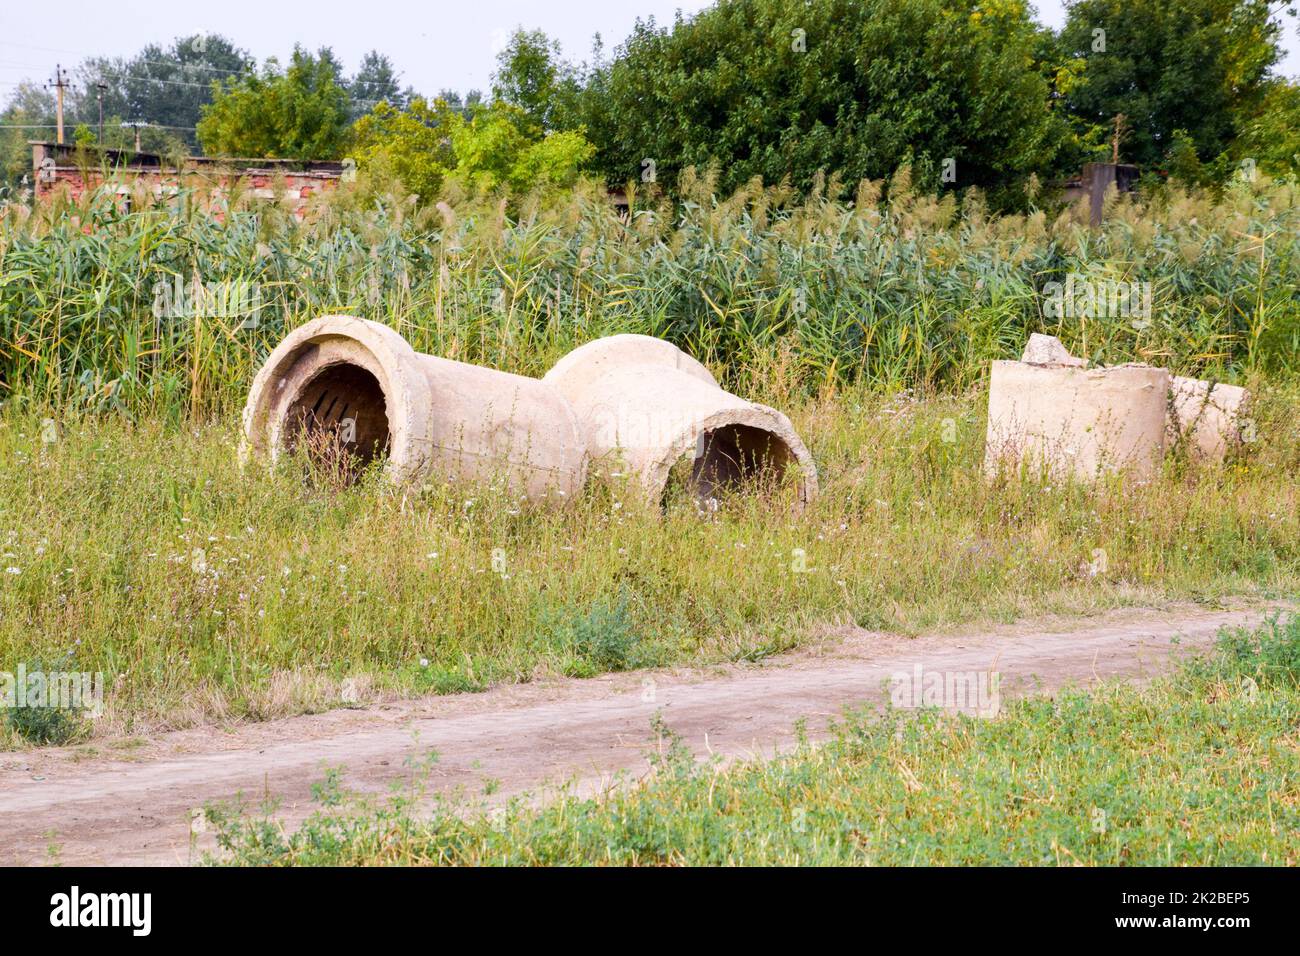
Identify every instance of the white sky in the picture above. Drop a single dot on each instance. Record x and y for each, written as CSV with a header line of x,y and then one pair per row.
x,y
435,45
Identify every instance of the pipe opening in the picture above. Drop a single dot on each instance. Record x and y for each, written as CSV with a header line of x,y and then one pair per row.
x,y
734,459
340,417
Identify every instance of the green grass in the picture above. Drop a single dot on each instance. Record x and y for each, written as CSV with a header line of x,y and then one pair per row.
x,y
775,294
1199,769
205,593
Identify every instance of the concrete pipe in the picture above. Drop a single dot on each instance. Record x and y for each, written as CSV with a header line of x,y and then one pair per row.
x,y
1077,421
362,383
645,404
1207,418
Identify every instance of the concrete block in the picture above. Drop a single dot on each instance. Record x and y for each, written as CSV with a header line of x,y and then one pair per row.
x,y
1206,417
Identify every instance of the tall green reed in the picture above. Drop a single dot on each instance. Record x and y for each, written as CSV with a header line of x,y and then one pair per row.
x,y
779,295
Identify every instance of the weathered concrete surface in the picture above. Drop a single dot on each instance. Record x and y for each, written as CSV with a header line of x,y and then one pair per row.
x,y
1206,417
432,416
1077,421
643,404
1048,350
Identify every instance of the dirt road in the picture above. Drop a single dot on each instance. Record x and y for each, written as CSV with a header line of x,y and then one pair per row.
x,y
130,802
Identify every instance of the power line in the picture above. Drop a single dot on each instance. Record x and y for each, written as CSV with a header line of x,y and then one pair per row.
x,y
198,66
91,56
153,79
118,75
51,125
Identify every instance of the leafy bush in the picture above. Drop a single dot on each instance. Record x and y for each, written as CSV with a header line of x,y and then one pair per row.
x,y
602,638
46,724
1269,655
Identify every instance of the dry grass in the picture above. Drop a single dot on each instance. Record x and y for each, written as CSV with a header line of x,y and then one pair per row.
x,y
205,592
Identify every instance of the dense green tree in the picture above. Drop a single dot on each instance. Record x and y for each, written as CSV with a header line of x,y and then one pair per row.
x,y
1199,66
532,75
784,88
413,144
165,87
481,148
377,81
1270,140
300,112
500,145
29,105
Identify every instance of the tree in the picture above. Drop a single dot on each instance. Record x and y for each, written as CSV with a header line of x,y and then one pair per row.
x,y
532,76
1270,140
377,82
166,87
500,145
784,88
1199,66
302,112
481,148
29,105
413,144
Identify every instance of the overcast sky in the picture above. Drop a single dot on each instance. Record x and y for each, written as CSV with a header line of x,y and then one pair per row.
x,y
435,45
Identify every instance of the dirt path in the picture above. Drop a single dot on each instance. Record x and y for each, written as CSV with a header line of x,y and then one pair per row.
x,y
124,804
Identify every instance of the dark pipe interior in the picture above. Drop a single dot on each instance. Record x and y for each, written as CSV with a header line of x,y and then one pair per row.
x,y
341,409
735,457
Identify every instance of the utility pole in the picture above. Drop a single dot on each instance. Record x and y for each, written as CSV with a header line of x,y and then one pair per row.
x,y
60,84
100,87
135,125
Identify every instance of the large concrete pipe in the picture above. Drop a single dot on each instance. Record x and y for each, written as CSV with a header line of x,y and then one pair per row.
x,y
1075,420
362,384
1208,419
645,403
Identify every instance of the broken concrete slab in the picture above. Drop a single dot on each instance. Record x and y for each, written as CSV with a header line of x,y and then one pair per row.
x,y
363,385
644,404
1076,421
1048,350
1206,418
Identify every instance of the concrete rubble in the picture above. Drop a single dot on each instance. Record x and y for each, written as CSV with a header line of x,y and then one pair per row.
x,y
1051,408
1048,350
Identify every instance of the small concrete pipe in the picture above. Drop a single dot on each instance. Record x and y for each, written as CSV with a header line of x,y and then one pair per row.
x,y
361,381
646,404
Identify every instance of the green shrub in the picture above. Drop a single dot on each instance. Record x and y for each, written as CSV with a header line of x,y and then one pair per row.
x,y
46,724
